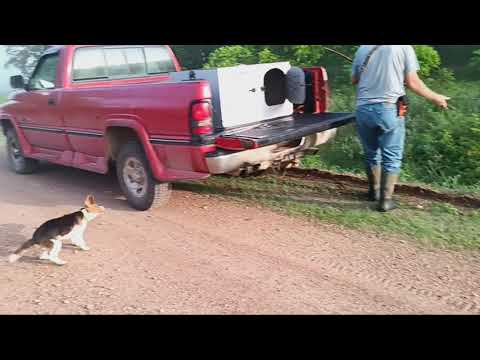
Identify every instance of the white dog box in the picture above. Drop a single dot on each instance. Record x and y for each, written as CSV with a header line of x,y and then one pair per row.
x,y
246,93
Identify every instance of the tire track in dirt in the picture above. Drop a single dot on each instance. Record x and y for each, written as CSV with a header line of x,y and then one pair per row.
x,y
453,301
355,274
388,279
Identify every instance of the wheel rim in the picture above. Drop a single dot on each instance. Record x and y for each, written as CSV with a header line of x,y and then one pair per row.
x,y
135,177
15,152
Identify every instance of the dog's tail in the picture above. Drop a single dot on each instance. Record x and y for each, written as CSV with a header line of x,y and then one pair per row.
x,y
19,252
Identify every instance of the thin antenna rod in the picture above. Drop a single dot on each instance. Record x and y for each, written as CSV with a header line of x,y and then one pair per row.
x,y
339,54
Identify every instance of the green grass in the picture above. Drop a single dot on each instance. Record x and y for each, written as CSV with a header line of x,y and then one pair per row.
x,y
448,185
3,99
428,223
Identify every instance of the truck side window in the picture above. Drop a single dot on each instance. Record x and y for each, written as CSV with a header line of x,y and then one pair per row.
x,y
45,74
125,62
136,61
159,60
89,64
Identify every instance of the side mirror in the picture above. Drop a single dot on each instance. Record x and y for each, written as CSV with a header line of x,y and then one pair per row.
x,y
17,82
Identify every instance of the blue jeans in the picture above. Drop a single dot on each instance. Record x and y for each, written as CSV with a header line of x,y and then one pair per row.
x,y
382,134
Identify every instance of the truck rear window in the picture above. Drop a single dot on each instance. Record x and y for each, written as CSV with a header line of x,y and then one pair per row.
x,y
94,63
125,62
158,60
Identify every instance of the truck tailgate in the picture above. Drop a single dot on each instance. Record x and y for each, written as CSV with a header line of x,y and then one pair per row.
x,y
280,130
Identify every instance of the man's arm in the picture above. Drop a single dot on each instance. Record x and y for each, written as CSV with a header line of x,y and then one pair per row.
x,y
355,69
416,84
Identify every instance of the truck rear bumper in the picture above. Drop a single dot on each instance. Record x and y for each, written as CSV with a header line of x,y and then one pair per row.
x,y
264,157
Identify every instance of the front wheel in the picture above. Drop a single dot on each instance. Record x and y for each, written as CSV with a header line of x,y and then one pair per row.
x,y
16,161
141,189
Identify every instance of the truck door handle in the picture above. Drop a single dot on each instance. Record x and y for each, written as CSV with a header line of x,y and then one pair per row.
x,y
52,102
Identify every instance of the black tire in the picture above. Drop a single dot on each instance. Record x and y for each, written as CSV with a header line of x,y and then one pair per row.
x,y
149,195
16,161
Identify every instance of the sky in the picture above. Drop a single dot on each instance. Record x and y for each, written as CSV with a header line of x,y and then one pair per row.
x,y
5,73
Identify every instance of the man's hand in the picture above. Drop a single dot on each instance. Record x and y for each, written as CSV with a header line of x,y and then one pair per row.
x,y
441,101
416,84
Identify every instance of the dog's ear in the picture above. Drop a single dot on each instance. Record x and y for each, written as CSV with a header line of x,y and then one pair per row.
x,y
90,200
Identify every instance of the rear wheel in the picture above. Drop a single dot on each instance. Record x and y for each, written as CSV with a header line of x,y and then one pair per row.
x,y
16,161
141,189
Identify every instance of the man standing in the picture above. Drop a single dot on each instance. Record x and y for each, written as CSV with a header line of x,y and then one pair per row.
x,y
381,72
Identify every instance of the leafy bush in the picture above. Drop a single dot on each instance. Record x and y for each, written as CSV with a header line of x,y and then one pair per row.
x,y
428,58
475,61
266,56
298,55
317,55
230,56
444,146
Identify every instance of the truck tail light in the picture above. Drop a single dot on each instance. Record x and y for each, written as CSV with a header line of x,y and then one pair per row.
x,y
318,91
202,118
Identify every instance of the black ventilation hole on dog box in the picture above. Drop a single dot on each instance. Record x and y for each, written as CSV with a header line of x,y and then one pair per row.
x,y
275,86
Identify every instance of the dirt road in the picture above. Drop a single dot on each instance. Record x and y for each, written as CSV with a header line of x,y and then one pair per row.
x,y
204,255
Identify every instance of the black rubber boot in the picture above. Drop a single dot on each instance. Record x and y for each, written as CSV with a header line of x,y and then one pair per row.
x,y
386,192
374,175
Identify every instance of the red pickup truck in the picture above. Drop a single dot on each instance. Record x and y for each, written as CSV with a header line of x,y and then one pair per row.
x,y
98,108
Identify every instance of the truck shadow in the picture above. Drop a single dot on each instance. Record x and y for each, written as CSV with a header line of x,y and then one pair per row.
x,y
56,180
11,238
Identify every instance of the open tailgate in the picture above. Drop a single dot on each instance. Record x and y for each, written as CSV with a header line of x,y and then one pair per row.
x,y
280,130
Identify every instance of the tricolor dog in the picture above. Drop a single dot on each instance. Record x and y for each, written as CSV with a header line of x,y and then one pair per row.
x,y
53,233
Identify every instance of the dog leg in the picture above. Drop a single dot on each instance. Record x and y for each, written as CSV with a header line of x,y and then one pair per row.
x,y
46,254
79,241
53,255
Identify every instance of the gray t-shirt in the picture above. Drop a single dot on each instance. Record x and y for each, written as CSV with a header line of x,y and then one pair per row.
x,y
384,78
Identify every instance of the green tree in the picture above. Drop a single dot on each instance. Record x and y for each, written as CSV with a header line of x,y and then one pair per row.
x,y
24,57
315,55
266,56
193,56
298,55
231,56
456,55
428,58
475,60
